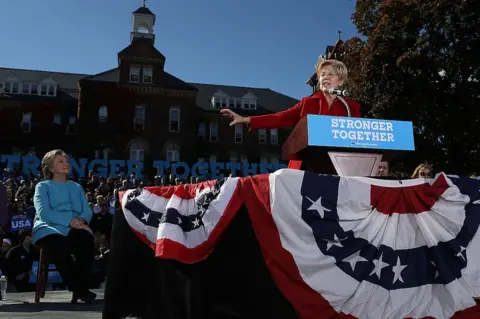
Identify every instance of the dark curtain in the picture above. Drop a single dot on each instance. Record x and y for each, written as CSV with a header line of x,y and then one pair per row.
x,y
233,282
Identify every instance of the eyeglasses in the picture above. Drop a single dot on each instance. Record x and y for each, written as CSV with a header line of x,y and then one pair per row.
x,y
424,174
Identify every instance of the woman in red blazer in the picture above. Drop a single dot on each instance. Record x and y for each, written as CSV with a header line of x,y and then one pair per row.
x,y
331,74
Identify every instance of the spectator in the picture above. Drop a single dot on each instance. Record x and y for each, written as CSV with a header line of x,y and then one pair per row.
x,y
422,171
6,245
19,262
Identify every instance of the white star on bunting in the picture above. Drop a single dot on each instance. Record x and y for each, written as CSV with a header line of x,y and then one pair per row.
x,y
460,253
477,201
379,265
436,269
334,242
397,271
318,206
179,220
196,222
354,259
145,216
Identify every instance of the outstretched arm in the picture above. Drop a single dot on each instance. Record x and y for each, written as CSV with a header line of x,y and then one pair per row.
x,y
282,119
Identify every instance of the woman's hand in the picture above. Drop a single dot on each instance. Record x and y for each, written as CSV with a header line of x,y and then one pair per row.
x,y
237,119
77,223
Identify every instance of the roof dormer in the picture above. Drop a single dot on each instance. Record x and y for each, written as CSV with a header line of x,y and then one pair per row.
x,y
249,101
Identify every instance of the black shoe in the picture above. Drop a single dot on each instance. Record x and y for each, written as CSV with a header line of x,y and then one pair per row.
x,y
87,297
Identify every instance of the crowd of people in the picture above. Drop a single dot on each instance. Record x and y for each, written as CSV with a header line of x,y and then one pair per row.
x,y
18,254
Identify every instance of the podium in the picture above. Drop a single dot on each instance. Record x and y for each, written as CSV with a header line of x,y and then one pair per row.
x,y
346,146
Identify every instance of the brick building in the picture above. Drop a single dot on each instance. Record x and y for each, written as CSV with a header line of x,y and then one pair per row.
x,y
135,111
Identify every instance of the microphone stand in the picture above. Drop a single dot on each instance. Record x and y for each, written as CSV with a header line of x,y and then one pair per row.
x,y
349,112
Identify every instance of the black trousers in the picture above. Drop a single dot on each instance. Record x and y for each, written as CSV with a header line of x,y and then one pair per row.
x,y
73,257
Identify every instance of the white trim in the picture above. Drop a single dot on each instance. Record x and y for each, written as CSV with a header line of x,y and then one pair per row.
x,y
174,109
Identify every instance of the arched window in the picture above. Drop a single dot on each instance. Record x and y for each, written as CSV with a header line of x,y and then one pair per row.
x,y
137,152
173,152
103,114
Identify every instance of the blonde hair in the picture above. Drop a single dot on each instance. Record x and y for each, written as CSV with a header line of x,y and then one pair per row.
x,y
417,170
338,66
47,162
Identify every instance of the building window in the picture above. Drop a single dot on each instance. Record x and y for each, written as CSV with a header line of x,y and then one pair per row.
x,y
233,157
139,119
34,89
173,155
238,133
8,87
213,158
217,102
250,104
97,154
274,136
213,132
134,74
137,153
238,103
174,120
220,102
201,131
103,114
57,118
26,88
147,75
26,122
262,136
71,124
231,103
51,90
43,90
15,88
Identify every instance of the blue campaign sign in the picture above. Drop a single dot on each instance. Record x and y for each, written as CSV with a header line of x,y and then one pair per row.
x,y
360,133
19,222
53,275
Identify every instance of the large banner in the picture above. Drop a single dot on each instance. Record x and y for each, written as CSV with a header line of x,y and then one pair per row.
x,y
112,168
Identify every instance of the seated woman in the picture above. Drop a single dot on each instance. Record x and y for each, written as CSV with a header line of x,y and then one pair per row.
x,y
61,225
331,74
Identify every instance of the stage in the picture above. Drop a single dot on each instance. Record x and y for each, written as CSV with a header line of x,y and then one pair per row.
x,y
55,305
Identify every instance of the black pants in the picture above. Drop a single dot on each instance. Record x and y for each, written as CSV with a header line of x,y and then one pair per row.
x,y
73,257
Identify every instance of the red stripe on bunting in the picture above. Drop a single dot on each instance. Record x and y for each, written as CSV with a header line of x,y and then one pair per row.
x,y
409,199
187,191
169,249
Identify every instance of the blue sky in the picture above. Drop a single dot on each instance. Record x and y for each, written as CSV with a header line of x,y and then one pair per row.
x,y
259,43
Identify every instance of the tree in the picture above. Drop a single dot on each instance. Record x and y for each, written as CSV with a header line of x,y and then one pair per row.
x,y
420,61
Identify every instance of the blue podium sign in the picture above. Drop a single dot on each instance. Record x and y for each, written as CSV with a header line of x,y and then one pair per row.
x,y
350,132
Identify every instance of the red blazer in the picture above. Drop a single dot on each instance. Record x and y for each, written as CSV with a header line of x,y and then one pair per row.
x,y
315,104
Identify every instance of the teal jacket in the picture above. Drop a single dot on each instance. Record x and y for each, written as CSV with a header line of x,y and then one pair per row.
x,y
56,204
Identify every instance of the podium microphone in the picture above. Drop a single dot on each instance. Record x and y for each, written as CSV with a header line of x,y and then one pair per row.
x,y
337,92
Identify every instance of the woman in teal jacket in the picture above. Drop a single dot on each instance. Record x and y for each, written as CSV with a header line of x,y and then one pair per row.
x,y
61,225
